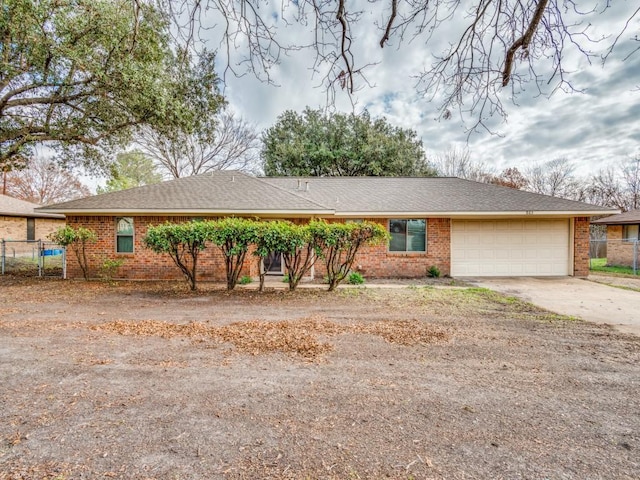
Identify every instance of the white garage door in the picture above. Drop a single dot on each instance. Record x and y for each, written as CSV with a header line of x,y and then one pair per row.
x,y
491,248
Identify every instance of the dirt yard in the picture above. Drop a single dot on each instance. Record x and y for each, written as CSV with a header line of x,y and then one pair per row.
x,y
147,381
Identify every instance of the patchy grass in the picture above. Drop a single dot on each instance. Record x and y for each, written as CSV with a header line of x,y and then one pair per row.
x,y
456,302
617,285
600,265
475,300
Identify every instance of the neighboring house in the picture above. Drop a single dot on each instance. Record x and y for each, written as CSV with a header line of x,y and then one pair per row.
x,y
464,228
20,221
623,237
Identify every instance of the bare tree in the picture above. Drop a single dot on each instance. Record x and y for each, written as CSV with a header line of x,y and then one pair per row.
x,y
44,182
617,186
234,144
556,178
457,162
605,188
631,175
504,44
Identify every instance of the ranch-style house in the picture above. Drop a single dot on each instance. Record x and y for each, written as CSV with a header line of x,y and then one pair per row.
x,y
464,228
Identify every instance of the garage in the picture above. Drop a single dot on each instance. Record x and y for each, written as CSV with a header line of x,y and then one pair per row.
x,y
494,248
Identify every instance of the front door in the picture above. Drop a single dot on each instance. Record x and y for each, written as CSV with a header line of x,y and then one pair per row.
x,y
273,263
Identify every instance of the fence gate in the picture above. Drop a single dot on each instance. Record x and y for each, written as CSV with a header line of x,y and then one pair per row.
x,y
32,258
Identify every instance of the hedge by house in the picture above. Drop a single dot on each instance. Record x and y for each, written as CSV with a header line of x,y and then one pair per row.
x,y
300,245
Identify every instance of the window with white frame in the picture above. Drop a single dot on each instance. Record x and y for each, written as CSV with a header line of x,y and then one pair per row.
x,y
408,235
124,235
630,233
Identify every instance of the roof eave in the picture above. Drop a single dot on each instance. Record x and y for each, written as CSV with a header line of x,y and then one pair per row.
x,y
54,216
465,214
354,214
188,212
617,222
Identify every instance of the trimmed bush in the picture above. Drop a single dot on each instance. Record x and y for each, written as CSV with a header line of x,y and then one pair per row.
x,y
355,278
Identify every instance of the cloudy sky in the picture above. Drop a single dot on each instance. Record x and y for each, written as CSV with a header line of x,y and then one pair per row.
x,y
594,128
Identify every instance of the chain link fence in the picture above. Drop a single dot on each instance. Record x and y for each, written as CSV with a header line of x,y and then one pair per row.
x,y
32,258
616,256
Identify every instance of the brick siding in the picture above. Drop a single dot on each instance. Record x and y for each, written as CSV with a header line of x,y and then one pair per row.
x,y
618,252
46,226
378,262
15,228
143,264
372,262
581,247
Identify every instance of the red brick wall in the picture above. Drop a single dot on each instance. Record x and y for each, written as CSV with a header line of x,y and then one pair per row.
x,y
372,262
143,264
581,247
378,262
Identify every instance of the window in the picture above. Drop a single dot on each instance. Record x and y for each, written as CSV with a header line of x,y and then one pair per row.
x,y
408,235
124,235
630,233
31,229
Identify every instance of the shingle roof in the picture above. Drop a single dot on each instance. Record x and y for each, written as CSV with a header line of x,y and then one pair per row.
x,y
237,193
430,194
13,207
223,191
632,216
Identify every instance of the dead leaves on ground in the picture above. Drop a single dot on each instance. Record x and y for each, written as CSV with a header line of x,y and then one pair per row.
x,y
291,337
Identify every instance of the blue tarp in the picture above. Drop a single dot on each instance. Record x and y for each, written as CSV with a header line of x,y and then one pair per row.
x,y
51,252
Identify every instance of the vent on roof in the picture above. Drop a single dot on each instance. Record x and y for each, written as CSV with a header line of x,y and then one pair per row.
x,y
306,186
299,184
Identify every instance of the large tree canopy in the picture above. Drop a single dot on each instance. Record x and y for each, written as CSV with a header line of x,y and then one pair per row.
x,y
321,144
477,52
80,75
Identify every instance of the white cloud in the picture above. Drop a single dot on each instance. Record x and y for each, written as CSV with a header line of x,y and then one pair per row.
x,y
594,128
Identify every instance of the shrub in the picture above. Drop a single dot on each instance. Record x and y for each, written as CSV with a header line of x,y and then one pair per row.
x,y
245,280
338,244
355,278
268,238
233,236
182,242
110,267
433,272
299,251
77,239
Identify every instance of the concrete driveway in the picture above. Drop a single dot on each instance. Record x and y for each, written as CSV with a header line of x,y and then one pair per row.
x,y
588,300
